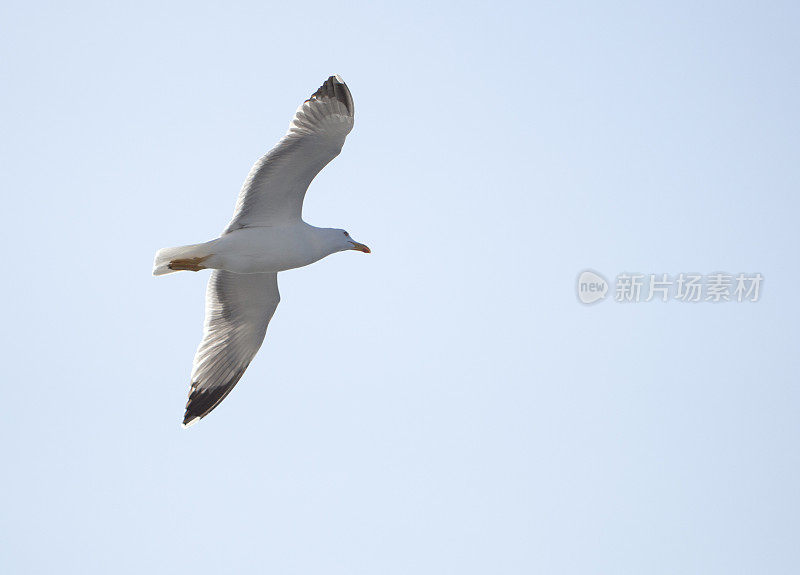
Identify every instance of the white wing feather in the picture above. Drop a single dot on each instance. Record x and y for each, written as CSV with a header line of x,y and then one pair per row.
x,y
239,308
274,190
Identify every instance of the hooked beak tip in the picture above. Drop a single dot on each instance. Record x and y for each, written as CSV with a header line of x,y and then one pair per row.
x,y
361,248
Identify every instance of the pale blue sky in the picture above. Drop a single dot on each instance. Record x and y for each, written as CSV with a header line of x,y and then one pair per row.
x,y
444,405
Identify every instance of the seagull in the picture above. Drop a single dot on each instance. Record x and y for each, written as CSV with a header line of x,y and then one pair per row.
x,y
267,235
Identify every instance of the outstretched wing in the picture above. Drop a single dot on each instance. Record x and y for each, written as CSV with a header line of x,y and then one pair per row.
x,y
277,183
238,310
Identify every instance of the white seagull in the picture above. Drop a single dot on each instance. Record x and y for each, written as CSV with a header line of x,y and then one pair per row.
x,y
267,235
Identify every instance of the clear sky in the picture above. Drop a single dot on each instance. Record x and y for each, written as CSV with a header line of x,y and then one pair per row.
x,y
444,405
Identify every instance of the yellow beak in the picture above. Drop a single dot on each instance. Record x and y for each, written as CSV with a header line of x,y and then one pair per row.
x,y
360,247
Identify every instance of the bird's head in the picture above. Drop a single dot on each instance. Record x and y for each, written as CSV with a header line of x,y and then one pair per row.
x,y
342,240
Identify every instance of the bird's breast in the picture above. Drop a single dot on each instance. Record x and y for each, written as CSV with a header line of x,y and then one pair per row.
x,y
264,249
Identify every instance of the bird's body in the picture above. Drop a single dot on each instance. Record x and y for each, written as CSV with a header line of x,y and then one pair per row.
x,y
273,248
267,235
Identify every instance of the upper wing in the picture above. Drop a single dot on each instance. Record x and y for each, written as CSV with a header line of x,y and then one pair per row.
x,y
238,310
274,190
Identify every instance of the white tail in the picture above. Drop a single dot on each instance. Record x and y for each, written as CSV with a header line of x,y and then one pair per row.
x,y
166,255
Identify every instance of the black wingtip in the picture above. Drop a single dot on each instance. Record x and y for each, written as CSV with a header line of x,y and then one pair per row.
x,y
203,401
189,421
334,87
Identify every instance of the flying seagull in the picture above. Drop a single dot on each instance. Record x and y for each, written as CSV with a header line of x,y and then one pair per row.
x,y
267,235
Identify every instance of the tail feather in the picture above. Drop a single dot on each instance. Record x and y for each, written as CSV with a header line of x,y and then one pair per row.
x,y
166,255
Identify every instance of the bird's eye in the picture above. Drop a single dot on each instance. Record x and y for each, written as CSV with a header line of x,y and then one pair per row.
x,y
348,235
